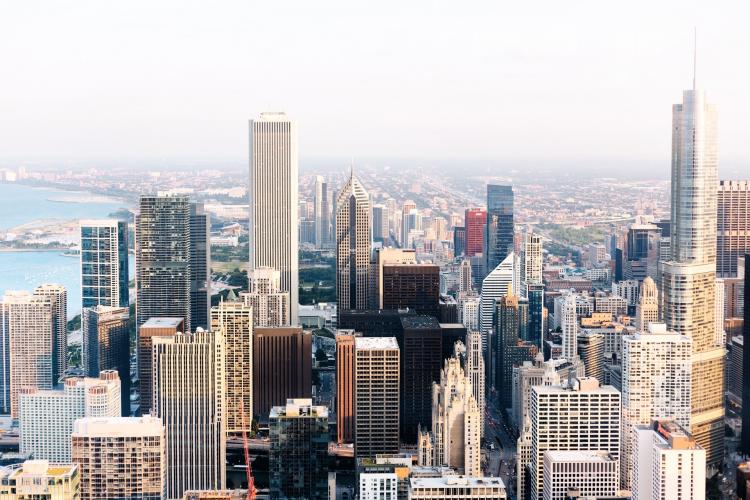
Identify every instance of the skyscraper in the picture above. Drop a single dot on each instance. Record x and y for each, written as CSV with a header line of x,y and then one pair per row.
x,y
163,259
189,398
647,309
509,350
406,224
733,226
475,220
380,222
535,295
353,246
384,256
120,457
498,283
345,386
46,416
376,396
532,259
154,327
688,280
273,200
298,452
411,286
235,321
591,351
500,228
105,334
569,325
270,305
475,370
104,263
322,212
459,241
58,298
745,436
200,266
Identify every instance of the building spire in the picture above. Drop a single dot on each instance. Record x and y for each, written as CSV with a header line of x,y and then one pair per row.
x,y
695,56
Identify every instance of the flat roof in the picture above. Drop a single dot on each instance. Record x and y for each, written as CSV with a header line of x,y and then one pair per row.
x,y
118,426
462,481
421,321
375,343
162,322
578,456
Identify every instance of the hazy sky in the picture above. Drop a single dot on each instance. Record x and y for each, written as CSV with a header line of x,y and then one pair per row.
x,y
553,83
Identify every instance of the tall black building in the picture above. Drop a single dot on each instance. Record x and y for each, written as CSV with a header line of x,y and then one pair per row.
x,y
459,241
499,237
745,439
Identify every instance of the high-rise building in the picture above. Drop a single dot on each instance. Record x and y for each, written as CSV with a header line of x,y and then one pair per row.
x,y
270,305
406,209
120,457
154,327
641,251
200,266
688,279
104,263
745,436
274,172
459,241
508,349
647,309
383,257
163,259
46,416
380,229
590,474
591,351
299,450
235,321
322,212
500,229
39,479
732,227
569,326
465,283
353,246
581,416
475,370
535,296
345,386
411,286
454,440
190,399
105,334
498,283
58,298
667,463
532,259
656,384
376,396
282,367
475,220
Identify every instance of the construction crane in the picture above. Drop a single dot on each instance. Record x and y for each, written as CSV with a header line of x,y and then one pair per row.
x,y
251,491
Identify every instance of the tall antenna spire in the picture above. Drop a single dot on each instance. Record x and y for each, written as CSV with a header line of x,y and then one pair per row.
x,y
695,55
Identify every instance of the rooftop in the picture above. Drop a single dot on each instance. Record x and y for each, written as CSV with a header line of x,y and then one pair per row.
x,y
299,407
455,481
578,456
375,343
420,322
162,323
118,426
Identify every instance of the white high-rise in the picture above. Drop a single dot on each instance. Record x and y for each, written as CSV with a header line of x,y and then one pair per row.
x,y
656,384
532,258
46,417
569,326
274,173
592,474
58,297
475,369
647,309
270,305
498,283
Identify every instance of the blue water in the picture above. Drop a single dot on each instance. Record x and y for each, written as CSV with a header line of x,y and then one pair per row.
x,y
21,204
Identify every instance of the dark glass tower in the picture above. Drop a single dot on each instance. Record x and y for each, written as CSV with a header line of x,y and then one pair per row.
x,y
535,331
499,237
745,439
104,263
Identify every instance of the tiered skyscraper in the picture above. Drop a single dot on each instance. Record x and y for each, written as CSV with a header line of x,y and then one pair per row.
x,y
689,278
273,193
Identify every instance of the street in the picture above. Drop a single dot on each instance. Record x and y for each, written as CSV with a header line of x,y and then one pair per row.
x,y
501,460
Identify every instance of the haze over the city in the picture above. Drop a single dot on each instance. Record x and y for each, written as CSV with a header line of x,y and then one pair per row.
x,y
490,85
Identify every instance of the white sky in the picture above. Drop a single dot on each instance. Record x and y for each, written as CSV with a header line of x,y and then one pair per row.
x,y
553,82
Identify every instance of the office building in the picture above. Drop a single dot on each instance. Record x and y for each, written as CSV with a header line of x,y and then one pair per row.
x,y
656,384
215,495
499,224
376,396
235,321
39,479
46,416
465,281
474,220
154,327
273,192
456,487
667,463
411,286
508,350
58,298
383,257
299,450
322,212
732,226
641,251
569,325
745,436
163,259
647,309
190,399
378,486
200,267
468,307
591,351
104,263
105,335
581,416
407,223
270,305
475,370
380,217
455,437
590,474
459,241
345,386
421,359
535,296
532,259
282,367
498,283
353,246
120,457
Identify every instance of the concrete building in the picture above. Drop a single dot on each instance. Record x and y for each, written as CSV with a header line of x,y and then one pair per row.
x,y
345,386
378,486
465,281
282,365
376,396
46,416
732,226
353,246
591,351
104,263
581,416
39,479
58,298
189,396
591,474
235,321
456,487
475,370
120,457
105,336
274,179
647,309
455,437
270,304
153,327
163,259
668,463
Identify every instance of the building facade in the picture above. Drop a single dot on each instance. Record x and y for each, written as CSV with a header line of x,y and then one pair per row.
x,y
270,304
499,226
104,263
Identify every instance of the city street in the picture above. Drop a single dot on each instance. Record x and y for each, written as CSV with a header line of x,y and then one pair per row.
x,y
501,460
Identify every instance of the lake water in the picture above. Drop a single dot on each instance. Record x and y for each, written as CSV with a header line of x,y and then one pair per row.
x,y
26,270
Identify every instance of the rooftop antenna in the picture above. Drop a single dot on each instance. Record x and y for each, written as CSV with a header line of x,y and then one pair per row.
x,y
695,55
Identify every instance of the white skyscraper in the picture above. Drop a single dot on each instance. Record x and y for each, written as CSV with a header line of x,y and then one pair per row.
x,y
532,258
569,326
273,200
497,284
270,305
475,369
46,417
656,384
647,309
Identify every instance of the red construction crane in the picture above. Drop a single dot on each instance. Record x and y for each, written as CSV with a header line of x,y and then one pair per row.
x,y
251,491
